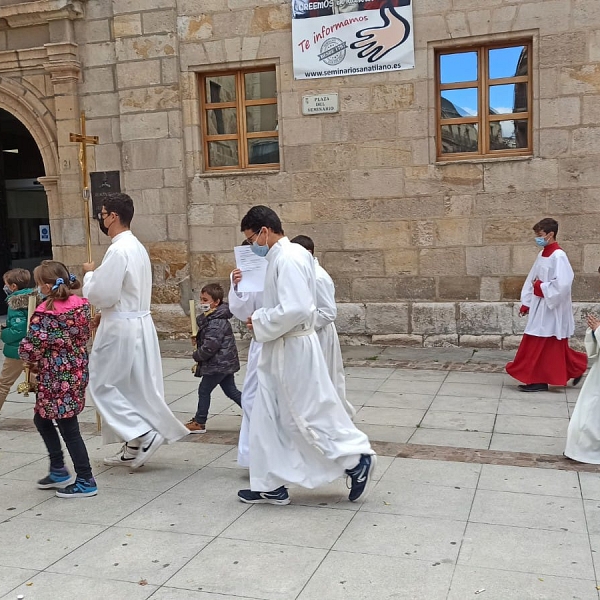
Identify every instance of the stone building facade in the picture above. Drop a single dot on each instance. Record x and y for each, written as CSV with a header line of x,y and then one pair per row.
x,y
423,251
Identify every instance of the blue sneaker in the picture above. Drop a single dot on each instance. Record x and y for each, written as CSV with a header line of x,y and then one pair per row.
x,y
361,475
278,496
56,479
80,489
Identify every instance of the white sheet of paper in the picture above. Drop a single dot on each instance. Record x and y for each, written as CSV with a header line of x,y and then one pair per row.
x,y
253,268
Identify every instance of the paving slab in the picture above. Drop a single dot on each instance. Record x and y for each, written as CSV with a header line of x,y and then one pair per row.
x,y
450,512
238,567
131,555
560,553
554,513
353,576
492,584
51,586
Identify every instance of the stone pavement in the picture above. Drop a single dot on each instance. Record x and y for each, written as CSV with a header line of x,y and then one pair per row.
x,y
450,517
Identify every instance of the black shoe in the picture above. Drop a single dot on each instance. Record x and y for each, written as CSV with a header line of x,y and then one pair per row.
x,y
361,475
577,380
278,496
534,387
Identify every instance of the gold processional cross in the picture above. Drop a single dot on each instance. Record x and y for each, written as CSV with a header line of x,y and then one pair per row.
x,y
83,140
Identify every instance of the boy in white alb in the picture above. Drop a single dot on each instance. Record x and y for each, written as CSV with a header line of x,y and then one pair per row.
x,y
299,432
544,356
325,325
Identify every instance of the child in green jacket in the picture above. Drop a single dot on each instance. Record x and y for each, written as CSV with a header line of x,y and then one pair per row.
x,y
17,289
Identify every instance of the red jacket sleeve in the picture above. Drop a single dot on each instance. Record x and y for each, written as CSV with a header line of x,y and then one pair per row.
x,y
537,288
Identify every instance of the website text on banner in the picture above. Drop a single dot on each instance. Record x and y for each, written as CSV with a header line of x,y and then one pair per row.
x,y
333,38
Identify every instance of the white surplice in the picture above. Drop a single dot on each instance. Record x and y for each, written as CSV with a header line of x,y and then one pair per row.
x,y
299,431
327,333
552,315
583,435
126,379
242,305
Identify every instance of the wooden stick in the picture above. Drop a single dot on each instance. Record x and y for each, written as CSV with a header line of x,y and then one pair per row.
x,y
193,318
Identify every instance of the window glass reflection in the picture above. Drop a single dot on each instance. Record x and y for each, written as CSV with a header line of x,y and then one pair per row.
x,y
261,118
459,103
260,85
222,121
508,62
508,135
220,89
460,138
223,153
455,68
263,151
505,99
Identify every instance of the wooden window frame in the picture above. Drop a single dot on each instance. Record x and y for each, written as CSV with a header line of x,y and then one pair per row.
x,y
242,135
483,118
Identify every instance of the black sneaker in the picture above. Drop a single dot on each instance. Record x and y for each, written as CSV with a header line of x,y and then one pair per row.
x,y
534,387
577,380
278,496
56,480
80,489
361,475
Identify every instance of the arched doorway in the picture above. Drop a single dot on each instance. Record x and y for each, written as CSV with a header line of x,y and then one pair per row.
x,y
25,237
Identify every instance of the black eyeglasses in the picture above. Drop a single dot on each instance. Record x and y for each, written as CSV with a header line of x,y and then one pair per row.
x,y
102,215
252,238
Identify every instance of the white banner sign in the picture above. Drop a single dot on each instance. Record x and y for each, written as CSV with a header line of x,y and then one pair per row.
x,y
335,38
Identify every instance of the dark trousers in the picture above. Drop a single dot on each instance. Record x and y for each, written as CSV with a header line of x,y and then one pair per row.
x,y
207,385
69,430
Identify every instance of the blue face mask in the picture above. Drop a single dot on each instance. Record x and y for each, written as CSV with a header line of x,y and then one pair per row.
x,y
7,290
540,241
258,249
40,293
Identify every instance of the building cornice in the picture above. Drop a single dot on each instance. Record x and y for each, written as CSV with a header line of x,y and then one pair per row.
x,y
40,12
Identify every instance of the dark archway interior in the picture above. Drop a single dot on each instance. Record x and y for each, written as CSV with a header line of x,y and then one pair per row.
x,y
23,206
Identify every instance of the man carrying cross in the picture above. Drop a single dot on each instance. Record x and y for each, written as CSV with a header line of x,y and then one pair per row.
x,y
126,382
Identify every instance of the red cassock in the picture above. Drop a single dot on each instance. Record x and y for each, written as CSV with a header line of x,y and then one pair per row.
x,y
546,360
544,355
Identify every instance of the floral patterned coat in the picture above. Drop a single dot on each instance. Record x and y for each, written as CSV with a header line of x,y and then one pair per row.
x,y
57,341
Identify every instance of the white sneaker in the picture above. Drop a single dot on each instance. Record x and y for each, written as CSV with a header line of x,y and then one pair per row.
x,y
149,444
123,458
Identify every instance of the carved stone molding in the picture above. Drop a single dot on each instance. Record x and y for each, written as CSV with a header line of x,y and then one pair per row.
x,y
62,63
40,12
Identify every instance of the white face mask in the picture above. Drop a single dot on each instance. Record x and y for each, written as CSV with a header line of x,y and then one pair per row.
x,y
205,307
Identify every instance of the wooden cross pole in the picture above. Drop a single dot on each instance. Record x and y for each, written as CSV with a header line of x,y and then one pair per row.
x,y
83,140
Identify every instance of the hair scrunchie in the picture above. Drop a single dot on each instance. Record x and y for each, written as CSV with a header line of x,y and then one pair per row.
x,y
72,278
60,281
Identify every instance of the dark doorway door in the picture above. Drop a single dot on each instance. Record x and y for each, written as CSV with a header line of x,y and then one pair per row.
x,y
25,237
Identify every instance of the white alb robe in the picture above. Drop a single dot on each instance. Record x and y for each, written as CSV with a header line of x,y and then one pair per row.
x,y
327,333
126,380
583,435
299,432
552,315
242,305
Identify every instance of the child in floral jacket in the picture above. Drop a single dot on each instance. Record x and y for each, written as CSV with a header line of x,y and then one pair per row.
x,y
56,347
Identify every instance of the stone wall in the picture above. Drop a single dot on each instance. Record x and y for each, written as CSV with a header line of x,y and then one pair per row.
x,y
417,248
425,252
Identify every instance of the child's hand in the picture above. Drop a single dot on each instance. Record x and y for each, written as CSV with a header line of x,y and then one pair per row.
x,y
236,276
194,341
249,324
593,322
95,322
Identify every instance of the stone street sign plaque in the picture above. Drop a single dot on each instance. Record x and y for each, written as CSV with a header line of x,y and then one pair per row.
x,y
103,183
320,104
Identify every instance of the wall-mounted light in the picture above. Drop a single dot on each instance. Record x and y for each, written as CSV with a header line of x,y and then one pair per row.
x,y
12,151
